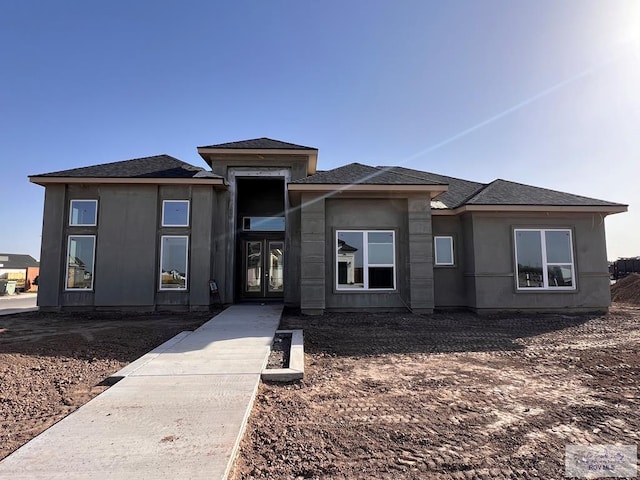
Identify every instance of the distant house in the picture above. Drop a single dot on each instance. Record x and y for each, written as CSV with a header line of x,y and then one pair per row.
x,y
23,269
150,233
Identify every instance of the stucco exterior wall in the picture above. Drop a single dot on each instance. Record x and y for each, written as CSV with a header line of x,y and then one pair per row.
x,y
449,282
312,254
493,267
366,214
127,254
125,261
52,249
297,164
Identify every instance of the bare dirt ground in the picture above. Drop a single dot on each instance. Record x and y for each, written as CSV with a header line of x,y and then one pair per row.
x,y
447,396
51,364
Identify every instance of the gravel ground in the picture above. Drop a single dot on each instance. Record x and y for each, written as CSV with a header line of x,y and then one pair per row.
x,y
449,396
51,364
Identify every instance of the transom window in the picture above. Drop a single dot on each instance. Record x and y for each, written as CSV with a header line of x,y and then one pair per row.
x,y
443,247
80,262
175,213
83,213
173,262
365,260
544,259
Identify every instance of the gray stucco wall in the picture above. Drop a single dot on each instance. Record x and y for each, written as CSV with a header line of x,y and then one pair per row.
x,y
312,254
292,251
126,242
52,248
127,256
449,281
296,164
366,214
493,268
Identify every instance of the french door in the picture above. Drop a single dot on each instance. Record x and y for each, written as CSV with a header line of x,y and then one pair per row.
x,y
262,268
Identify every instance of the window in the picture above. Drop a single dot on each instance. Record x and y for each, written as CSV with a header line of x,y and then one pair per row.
x,y
443,247
175,213
83,213
173,262
263,224
365,260
80,262
544,259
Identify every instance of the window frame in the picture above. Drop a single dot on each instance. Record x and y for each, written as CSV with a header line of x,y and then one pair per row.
x,y
164,202
95,221
435,251
545,263
365,262
93,265
186,273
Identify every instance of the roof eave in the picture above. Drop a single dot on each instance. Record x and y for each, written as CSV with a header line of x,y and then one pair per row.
x,y
44,181
433,190
606,209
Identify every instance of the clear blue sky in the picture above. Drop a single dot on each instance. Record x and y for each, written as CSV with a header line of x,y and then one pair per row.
x,y
541,92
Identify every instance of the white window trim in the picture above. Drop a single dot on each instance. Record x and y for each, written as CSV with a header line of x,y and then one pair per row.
x,y
164,202
93,200
435,252
186,268
93,265
545,264
365,261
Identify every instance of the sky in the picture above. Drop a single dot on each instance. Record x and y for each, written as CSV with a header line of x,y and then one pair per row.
x,y
543,92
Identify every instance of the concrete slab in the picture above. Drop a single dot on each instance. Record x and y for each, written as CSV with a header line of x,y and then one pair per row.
x,y
183,419
147,357
296,361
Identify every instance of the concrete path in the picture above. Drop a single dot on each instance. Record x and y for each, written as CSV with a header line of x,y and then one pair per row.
x,y
179,415
23,302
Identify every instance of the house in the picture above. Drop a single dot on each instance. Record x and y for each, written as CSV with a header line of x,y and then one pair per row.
x,y
23,269
266,224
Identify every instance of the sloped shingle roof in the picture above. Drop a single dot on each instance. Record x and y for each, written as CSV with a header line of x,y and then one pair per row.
x,y
14,260
263,143
503,192
356,173
158,166
459,189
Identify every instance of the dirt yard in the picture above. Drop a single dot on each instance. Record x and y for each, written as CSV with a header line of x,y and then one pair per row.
x,y
451,396
50,364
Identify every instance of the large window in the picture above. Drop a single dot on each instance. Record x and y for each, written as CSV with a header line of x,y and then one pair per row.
x,y
175,213
365,260
544,259
80,262
443,247
83,213
173,262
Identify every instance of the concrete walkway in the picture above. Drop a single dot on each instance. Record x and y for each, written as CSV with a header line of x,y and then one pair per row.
x,y
181,414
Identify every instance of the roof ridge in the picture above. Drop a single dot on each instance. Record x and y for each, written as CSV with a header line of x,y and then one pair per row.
x,y
428,173
477,192
242,145
391,168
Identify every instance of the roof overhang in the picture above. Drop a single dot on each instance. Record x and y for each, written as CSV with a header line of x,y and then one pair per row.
x,y
216,182
605,209
311,154
433,190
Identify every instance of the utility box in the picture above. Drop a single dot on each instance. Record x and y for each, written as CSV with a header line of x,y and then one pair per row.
x,y
11,287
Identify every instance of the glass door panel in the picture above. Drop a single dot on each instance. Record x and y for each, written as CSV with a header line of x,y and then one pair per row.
x,y
276,267
253,273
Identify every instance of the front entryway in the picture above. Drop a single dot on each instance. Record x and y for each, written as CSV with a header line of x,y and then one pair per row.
x,y
263,268
260,234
